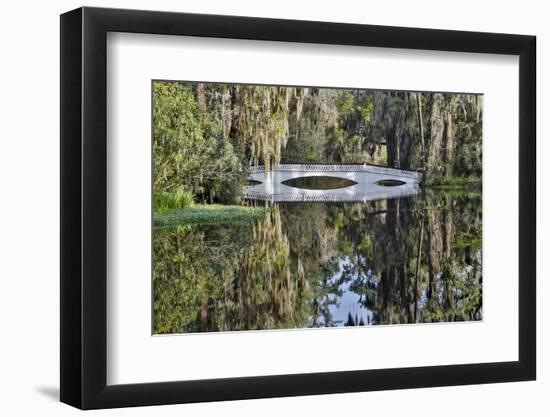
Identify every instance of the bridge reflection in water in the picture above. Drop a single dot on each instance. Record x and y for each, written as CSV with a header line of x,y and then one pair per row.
x,y
367,179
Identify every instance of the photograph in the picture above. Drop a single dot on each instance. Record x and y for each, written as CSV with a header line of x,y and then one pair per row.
x,y
295,207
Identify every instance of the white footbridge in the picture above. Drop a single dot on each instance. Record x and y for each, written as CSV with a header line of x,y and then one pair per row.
x,y
367,185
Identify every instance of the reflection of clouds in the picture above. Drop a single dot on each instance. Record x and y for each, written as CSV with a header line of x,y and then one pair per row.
x,y
349,303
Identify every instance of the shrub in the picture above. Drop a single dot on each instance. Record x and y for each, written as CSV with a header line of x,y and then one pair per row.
x,y
177,200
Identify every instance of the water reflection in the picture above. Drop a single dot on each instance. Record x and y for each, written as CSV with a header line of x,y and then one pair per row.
x,y
318,182
407,260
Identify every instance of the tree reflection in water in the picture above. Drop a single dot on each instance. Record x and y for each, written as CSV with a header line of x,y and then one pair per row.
x,y
410,260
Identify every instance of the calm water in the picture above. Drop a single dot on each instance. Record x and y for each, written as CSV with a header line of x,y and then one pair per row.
x,y
407,260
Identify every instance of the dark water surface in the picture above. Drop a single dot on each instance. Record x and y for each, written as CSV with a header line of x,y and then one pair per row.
x,y
319,183
408,260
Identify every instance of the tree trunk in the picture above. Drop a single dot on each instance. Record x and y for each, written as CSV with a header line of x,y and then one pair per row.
x,y
449,143
437,127
421,124
417,272
226,116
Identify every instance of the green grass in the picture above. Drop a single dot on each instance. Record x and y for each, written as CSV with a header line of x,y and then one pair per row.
x,y
207,214
164,202
455,182
466,192
463,242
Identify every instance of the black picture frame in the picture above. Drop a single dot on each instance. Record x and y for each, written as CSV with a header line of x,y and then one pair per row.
x,y
84,207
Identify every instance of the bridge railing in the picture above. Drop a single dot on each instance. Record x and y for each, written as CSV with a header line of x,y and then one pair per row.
x,y
341,168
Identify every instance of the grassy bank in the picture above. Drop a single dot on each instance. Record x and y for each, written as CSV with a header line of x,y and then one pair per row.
x,y
207,214
455,183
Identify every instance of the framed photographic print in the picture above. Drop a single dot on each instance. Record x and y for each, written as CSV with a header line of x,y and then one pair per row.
x,y
255,208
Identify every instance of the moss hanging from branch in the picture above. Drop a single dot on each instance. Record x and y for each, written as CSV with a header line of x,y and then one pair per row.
x,y
299,94
261,117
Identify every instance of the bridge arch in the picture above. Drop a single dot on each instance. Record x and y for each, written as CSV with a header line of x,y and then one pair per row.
x,y
365,187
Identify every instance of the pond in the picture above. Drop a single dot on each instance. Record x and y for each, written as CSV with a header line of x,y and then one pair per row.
x,y
303,265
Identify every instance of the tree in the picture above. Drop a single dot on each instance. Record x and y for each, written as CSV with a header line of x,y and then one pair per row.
x,y
188,149
347,140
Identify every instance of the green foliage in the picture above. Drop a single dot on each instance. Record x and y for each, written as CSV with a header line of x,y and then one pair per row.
x,y
455,182
244,282
179,199
189,151
261,123
207,214
465,242
307,133
188,274
348,138
468,160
